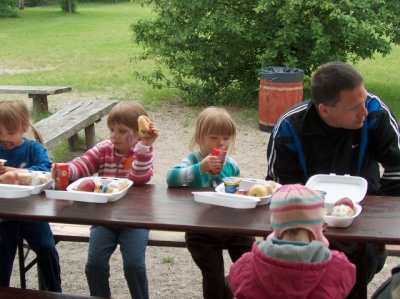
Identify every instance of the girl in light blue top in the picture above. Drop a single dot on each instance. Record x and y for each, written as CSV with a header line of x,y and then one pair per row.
x,y
214,129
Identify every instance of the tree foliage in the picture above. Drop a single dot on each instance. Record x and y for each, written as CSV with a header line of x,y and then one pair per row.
x,y
8,9
213,49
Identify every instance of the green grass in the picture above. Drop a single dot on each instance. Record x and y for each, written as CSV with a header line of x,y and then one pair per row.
x,y
91,51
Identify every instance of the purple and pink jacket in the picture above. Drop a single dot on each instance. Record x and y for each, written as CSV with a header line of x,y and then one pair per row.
x,y
273,271
137,164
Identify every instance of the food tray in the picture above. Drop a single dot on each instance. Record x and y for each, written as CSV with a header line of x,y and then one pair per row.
x,y
39,188
226,200
338,186
333,221
31,189
14,191
83,196
245,184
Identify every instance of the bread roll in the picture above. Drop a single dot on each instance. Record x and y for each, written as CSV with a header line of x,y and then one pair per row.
x,y
144,126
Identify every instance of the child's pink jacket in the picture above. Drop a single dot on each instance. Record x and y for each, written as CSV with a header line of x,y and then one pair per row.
x,y
258,276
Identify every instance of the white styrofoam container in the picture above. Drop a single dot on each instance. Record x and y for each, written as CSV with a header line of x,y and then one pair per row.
x,y
245,184
14,191
33,189
337,187
39,188
83,196
333,221
226,199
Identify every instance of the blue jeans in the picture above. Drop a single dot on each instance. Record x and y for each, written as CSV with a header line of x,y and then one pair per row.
x,y
40,239
102,243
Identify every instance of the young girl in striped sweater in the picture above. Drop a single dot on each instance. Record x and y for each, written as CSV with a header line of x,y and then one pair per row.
x,y
125,155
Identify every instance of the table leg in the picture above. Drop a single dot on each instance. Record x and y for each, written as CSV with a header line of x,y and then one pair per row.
x,y
361,282
39,103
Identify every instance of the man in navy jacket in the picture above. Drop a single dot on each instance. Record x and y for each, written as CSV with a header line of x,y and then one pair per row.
x,y
342,130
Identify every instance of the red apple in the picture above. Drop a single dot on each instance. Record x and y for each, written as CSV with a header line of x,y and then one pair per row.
x,y
86,185
345,201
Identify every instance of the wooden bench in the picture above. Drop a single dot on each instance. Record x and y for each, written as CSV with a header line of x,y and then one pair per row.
x,y
37,93
80,233
74,117
16,293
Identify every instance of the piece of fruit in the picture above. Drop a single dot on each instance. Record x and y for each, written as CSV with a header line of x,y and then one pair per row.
x,y
10,177
345,201
259,190
86,185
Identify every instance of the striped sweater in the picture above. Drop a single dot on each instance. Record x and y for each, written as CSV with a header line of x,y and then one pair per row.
x,y
137,164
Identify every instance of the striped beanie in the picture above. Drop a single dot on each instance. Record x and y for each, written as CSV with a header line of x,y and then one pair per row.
x,y
296,206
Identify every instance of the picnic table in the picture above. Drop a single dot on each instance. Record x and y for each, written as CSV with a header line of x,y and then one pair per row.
x,y
159,207
37,93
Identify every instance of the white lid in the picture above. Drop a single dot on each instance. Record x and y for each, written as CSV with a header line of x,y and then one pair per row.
x,y
339,186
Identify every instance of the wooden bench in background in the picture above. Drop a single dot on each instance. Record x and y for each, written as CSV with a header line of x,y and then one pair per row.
x,y
74,117
37,93
80,233
16,293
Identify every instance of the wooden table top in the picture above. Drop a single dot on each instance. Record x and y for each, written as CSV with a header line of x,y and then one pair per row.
x,y
174,209
46,90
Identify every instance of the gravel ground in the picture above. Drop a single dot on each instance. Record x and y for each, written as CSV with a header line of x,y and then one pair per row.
x,y
171,271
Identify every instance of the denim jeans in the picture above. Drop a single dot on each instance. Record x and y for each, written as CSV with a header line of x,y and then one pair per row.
x,y
40,239
102,243
206,251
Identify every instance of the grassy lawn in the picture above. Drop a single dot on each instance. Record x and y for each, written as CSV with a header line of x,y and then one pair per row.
x,y
91,51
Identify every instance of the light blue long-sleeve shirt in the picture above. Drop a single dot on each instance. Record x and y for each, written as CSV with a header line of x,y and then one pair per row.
x,y
187,172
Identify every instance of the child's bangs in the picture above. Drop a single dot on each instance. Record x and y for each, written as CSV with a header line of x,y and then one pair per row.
x,y
221,126
10,121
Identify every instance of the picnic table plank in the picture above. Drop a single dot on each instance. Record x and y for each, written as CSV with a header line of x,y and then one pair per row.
x,y
74,117
38,94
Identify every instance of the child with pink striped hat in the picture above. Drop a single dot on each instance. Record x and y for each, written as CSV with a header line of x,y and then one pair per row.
x,y
294,261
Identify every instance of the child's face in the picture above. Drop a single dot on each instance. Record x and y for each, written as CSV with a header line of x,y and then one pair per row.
x,y
10,139
215,140
122,137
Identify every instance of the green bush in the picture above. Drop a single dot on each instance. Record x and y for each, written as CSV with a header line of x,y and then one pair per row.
x,y
8,9
214,50
64,5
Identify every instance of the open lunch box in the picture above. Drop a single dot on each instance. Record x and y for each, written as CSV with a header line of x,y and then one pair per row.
x,y
236,201
337,187
17,191
72,194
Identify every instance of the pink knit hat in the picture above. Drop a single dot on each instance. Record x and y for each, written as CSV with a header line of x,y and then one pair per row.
x,y
296,206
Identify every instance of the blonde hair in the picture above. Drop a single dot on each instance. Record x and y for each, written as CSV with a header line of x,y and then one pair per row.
x,y
14,116
213,120
126,113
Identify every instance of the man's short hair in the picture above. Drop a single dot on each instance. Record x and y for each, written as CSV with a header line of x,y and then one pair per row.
x,y
331,79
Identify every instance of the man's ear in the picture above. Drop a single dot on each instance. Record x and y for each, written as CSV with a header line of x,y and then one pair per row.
x,y
322,110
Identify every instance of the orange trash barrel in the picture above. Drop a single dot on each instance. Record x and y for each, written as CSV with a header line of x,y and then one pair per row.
x,y
280,88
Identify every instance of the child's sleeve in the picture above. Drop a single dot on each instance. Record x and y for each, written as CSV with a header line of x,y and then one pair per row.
x,y
86,165
141,170
41,159
186,172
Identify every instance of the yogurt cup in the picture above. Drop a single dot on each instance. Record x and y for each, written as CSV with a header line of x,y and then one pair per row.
x,y
231,184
